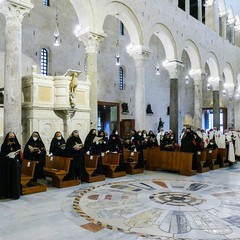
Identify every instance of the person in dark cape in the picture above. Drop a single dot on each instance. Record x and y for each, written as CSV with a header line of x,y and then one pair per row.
x,y
92,146
136,145
35,150
115,145
190,143
10,167
58,145
152,139
74,149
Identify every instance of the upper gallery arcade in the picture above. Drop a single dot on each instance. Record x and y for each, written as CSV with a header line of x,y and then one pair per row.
x,y
179,56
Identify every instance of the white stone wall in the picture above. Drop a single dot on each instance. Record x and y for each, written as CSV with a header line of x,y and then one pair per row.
x,y
141,21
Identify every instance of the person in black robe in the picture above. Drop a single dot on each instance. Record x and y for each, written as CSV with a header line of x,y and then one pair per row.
x,y
75,149
35,150
58,145
189,144
167,143
10,167
115,144
104,143
92,146
136,145
152,139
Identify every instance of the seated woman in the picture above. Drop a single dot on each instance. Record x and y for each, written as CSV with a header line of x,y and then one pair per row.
x,y
152,139
35,150
10,167
58,145
167,143
74,149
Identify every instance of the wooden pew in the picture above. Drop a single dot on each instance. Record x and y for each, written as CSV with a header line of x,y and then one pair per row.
x,y
201,159
91,162
130,165
211,158
172,161
57,168
222,156
110,163
27,173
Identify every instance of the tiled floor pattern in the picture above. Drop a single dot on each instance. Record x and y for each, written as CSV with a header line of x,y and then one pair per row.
x,y
152,205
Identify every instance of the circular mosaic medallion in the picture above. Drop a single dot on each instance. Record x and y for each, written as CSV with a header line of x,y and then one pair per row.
x,y
169,209
176,199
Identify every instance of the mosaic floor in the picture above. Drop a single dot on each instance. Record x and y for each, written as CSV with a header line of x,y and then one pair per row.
x,y
152,205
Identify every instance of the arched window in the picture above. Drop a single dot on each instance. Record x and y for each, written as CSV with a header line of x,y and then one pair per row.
x,y
121,28
181,4
44,61
121,73
46,2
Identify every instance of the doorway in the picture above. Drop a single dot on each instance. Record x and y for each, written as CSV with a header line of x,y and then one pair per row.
x,y
207,119
108,116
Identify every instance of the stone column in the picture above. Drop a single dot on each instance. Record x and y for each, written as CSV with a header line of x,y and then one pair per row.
x,y
216,107
174,68
211,15
14,11
223,19
140,56
187,6
230,93
200,10
237,109
197,80
91,40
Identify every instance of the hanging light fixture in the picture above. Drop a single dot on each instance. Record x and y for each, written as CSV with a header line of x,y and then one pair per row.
x,y
157,68
56,32
117,56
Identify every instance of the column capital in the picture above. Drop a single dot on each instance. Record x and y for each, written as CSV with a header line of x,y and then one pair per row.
x,y
214,83
230,88
15,10
91,39
174,68
197,76
139,53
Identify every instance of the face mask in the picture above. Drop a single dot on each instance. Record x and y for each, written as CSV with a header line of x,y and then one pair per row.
x,y
11,139
116,133
144,135
59,138
35,138
140,134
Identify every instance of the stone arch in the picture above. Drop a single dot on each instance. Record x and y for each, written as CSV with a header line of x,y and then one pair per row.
x,y
84,11
128,18
194,54
213,65
228,73
167,39
222,6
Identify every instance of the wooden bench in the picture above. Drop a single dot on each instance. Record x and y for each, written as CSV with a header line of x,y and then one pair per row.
x,y
172,161
27,173
131,165
110,162
57,168
211,159
201,161
91,162
222,155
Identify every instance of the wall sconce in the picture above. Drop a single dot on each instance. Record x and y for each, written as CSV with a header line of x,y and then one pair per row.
x,y
187,79
208,87
224,92
157,70
117,59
